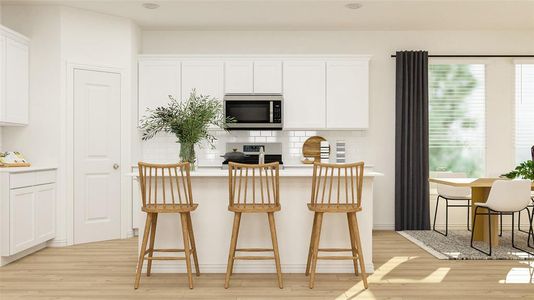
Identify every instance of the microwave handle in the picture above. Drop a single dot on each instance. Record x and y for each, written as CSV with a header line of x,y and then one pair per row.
x,y
271,112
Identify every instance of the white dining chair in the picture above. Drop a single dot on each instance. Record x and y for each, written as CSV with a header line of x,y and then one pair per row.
x,y
506,197
451,193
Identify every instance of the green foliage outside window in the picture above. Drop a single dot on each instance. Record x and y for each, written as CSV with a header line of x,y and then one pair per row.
x,y
456,119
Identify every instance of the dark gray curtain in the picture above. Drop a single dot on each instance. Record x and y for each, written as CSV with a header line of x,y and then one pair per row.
x,y
411,141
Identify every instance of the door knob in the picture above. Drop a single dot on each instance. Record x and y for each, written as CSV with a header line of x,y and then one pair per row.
x,y
115,166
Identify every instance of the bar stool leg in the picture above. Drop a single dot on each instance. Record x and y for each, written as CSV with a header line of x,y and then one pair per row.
x,y
233,244
143,250
193,245
311,243
360,252
185,233
151,246
272,227
315,249
353,245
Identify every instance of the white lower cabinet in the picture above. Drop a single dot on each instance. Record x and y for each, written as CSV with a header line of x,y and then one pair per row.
x,y
28,210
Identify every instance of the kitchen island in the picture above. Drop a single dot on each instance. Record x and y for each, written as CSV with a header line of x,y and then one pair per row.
x,y
212,224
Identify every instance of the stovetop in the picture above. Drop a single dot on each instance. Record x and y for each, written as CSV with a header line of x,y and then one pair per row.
x,y
254,158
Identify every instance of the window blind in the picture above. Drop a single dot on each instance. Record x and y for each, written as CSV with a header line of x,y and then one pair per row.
x,y
524,111
457,118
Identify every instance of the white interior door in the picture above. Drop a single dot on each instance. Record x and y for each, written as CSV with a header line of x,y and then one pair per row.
x,y
96,156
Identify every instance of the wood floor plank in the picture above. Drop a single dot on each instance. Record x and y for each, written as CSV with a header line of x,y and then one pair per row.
x,y
402,271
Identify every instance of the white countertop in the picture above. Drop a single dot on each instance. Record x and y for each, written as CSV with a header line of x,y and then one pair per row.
x,y
287,172
26,169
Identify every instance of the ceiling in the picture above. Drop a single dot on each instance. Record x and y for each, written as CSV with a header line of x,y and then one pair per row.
x,y
315,14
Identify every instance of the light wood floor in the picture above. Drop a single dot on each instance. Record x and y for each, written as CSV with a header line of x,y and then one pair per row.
x,y
403,271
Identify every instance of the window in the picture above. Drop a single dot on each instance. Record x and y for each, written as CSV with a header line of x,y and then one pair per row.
x,y
524,111
457,118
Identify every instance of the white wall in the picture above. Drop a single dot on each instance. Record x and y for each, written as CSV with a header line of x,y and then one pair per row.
x,y
60,36
39,141
99,40
380,138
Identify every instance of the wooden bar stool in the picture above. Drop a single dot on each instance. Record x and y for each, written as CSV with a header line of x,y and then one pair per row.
x,y
336,188
253,189
173,195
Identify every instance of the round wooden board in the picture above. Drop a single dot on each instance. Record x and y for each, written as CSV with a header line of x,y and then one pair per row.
x,y
312,147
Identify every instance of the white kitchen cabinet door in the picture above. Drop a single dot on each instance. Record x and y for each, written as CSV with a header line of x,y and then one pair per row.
x,y
2,78
22,219
267,77
45,212
16,82
347,94
304,95
207,77
238,77
157,80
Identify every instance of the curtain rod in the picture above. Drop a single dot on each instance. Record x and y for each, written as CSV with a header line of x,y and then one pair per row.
x,y
480,56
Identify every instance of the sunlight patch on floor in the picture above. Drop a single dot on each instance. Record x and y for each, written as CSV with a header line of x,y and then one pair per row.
x,y
378,276
357,291
520,275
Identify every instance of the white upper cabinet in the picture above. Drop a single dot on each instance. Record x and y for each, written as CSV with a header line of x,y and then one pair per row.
x,y
238,77
347,94
207,77
268,77
157,80
14,78
320,92
304,94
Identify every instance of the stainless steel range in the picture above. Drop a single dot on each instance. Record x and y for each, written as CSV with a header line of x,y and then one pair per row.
x,y
251,151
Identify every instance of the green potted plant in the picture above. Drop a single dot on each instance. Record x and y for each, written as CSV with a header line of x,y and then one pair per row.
x,y
525,170
188,120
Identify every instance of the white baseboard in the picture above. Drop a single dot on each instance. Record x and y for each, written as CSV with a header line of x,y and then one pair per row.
x,y
57,243
384,227
331,267
4,260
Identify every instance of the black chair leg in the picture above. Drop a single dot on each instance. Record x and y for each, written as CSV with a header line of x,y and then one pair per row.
x,y
513,241
519,221
489,229
473,232
446,217
468,207
530,230
500,216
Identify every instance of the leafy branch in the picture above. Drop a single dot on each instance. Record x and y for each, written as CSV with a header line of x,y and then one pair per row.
x,y
189,120
525,170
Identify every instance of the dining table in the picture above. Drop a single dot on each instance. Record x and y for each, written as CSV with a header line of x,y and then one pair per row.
x,y
480,189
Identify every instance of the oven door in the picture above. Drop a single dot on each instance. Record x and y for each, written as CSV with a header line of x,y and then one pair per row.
x,y
250,114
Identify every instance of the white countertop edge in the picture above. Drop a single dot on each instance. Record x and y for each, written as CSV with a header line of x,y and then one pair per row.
x,y
26,169
283,173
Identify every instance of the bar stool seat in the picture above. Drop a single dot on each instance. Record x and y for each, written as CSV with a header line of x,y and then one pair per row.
x,y
333,208
169,208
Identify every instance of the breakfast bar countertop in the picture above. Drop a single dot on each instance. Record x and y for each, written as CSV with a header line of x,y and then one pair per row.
x,y
286,172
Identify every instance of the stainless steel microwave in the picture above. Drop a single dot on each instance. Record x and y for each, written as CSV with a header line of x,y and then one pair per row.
x,y
254,111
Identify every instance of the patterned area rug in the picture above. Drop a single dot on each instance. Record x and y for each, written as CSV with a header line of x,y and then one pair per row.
x,y
457,245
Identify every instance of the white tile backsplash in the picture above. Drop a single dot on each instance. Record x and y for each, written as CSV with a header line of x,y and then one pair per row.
x,y
163,148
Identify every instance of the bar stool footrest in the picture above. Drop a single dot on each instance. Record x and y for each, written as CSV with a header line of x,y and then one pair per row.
x,y
335,249
166,258
253,257
255,249
337,257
